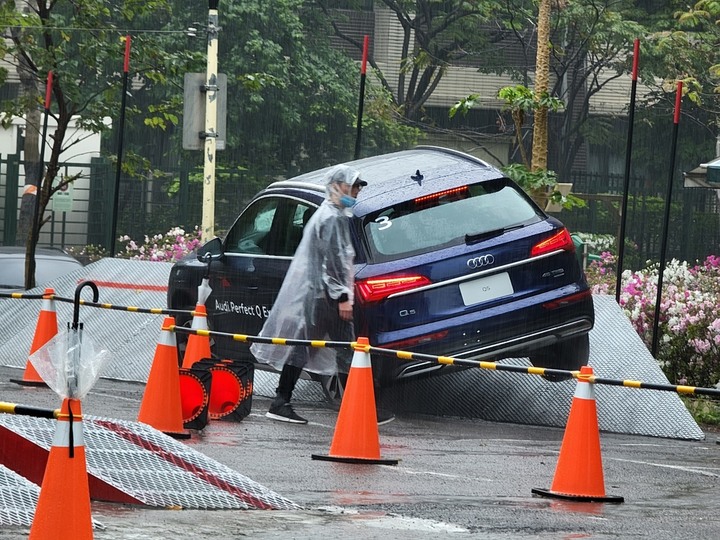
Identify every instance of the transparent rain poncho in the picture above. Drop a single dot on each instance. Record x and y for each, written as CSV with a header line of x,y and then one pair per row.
x,y
321,272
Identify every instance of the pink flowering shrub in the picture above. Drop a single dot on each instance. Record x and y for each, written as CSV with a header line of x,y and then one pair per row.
x,y
689,325
169,247
601,274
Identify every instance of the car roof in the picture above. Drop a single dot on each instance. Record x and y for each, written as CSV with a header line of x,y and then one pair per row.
x,y
17,252
393,177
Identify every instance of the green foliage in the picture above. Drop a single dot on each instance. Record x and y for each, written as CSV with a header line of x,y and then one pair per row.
x,y
464,105
541,186
438,34
703,409
383,126
530,181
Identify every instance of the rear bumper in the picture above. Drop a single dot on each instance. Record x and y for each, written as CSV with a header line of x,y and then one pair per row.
x,y
489,336
516,346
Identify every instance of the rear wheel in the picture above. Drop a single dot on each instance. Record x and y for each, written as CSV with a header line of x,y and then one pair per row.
x,y
569,355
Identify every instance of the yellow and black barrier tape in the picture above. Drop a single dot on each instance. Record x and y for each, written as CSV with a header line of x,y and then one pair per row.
x,y
242,338
24,296
449,360
26,410
132,309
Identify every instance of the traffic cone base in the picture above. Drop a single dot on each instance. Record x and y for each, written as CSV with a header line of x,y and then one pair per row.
x,y
30,376
161,406
45,330
366,461
356,438
579,471
63,508
580,498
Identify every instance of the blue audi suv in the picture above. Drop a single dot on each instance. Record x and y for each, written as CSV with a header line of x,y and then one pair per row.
x,y
452,259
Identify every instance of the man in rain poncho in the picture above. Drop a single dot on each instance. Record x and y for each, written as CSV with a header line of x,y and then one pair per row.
x,y
315,301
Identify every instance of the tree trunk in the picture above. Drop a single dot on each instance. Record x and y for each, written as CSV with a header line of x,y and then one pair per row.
x,y
542,81
31,148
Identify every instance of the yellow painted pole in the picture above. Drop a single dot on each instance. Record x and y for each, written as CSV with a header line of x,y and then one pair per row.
x,y
210,134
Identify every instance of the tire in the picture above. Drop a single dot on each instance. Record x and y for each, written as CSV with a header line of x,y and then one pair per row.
x,y
333,386
569,355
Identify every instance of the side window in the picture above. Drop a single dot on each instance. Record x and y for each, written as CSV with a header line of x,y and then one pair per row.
x,y
251,231
299,213
271,226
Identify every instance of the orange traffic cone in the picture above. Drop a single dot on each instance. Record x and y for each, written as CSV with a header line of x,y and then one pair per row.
x,y
356,438
579,472
63,508
45,330
161,405
198,346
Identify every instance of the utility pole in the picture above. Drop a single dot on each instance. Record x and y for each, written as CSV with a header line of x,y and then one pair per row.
x,y
210,134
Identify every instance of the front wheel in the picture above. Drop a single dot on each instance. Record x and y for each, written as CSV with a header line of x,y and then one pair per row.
x,y
569,355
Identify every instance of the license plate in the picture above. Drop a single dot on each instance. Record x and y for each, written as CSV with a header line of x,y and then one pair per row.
x,y
487,288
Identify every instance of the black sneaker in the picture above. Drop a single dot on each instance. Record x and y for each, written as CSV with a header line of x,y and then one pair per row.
x,y
285,413
384,416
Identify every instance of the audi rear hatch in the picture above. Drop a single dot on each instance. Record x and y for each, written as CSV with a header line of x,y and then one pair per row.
x,y
448,256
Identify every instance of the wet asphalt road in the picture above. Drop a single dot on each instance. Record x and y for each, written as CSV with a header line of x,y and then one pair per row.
x,y
456,478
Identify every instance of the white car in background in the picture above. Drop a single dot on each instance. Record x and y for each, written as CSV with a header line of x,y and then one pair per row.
x,y
50,264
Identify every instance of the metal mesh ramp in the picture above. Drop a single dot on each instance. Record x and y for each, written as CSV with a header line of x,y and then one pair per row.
x,y
18,499
130,337
153,468
616,352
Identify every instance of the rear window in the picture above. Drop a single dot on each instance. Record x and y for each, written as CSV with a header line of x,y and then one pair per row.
x,y
443,219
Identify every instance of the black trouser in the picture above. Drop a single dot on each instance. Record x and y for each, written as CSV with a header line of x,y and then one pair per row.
x,y
288,379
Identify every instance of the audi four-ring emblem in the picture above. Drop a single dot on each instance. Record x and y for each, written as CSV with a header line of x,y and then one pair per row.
x,y
480,262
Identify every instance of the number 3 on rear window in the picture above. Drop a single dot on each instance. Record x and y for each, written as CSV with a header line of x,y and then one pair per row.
x,y
384,222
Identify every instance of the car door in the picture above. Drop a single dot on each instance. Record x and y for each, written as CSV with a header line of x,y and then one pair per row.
x,y
258,251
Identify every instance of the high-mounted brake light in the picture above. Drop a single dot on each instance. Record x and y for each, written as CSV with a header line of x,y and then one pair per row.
x,y
561,240
375,289
440,194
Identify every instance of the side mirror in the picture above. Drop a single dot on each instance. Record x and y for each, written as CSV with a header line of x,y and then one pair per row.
x,y
211,251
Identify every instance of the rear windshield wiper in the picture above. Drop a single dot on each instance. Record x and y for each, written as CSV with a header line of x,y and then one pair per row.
x,y
478,237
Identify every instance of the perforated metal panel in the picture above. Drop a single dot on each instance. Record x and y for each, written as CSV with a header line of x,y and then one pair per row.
x,y
18,499
154,468
131,337
616,352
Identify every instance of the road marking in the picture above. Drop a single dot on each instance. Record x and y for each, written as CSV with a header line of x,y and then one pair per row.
x,y
674,467
433,473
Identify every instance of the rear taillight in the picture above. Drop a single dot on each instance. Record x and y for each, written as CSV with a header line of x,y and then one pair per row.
x,y
567,300
561,240
375,289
